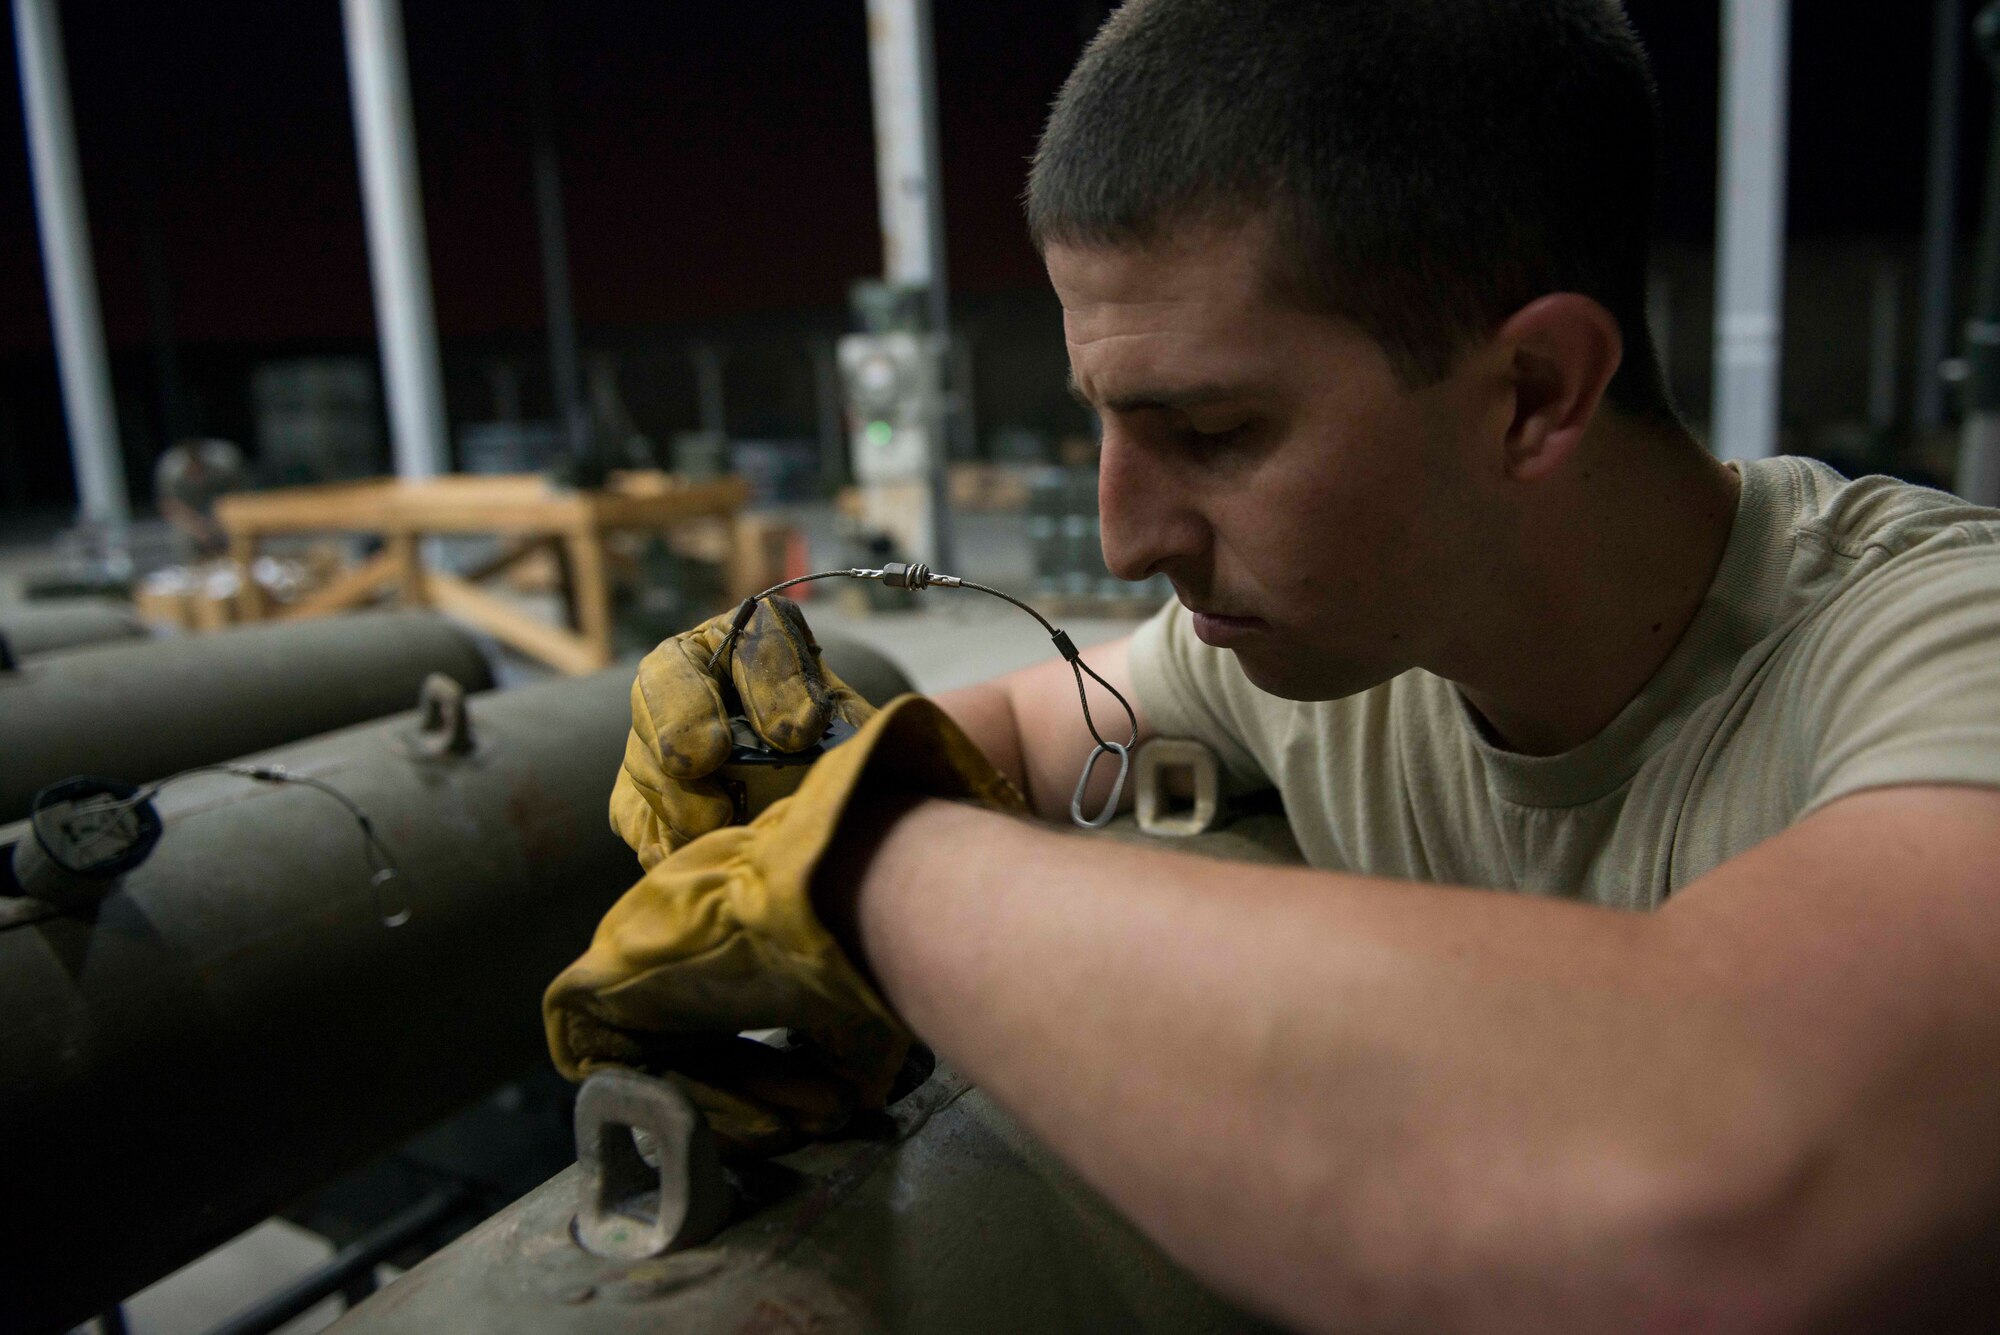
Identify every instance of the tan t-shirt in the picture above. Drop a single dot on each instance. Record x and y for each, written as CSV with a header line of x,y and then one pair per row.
x,y
1851,640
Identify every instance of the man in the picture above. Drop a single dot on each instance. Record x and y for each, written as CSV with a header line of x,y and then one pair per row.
x,y
187,479
1356,290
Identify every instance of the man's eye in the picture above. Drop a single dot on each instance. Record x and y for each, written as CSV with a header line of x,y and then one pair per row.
x,y
1215,440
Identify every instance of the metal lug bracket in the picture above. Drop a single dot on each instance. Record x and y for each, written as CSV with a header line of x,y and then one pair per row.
x,y
1163,807
444,725
627,1208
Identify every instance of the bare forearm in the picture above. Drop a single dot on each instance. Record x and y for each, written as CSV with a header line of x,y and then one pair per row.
x,y
1312,1089
1031,726
986,714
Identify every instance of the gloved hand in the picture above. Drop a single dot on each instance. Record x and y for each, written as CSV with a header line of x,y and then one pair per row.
x,y
680,721
721,936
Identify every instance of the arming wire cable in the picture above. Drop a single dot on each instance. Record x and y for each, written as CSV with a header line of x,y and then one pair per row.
x,y
383,867
917,575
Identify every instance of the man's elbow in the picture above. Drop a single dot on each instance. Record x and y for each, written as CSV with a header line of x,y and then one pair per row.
x,y
1609,1238
1602,1242
1799,1234
1724,1243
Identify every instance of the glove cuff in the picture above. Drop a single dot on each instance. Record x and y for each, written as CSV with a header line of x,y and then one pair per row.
x,y
909,748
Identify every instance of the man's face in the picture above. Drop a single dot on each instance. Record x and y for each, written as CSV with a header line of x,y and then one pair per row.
x,y
1319,519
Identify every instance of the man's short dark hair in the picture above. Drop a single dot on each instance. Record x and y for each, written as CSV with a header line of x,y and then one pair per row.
x,y
1431,166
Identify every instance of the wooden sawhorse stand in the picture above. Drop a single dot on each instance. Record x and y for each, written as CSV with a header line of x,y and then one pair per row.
x,y
526,509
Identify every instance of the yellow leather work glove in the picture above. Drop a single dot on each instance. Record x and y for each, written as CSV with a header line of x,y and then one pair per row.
x,y
721,936
680,721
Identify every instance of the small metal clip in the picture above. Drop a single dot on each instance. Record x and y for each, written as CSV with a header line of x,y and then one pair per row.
x,y
392,906
1102,818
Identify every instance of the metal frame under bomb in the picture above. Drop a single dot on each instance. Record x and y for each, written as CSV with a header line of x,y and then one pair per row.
x,y
953,1220
915,576
946,1216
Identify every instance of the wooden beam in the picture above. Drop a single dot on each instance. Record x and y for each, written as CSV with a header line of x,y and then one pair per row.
x,y
590,591
524,517
350,588
250,603
523,503
328,507
508,557
723,496
538,639
407,558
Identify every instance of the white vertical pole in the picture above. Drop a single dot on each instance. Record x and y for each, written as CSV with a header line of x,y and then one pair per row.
x,y
899,64
72,280
1750,227
903,79
379,80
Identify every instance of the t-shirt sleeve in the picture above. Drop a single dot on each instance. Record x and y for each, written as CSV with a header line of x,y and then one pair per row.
x,y
1905,686
1187,689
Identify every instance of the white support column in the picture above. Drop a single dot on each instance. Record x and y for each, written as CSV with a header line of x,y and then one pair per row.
x,y
903,78
72,279
379,79
1750,228
899,65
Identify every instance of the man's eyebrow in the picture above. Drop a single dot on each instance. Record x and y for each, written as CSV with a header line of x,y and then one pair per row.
x,y
1167,400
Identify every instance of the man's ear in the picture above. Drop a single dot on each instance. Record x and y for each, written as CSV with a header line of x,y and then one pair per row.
x,y
1563,350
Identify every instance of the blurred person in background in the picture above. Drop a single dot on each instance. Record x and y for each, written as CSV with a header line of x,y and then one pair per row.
x,y
187,481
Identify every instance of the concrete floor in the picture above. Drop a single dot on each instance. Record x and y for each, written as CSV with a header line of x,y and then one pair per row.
x,y
953,638
201,1296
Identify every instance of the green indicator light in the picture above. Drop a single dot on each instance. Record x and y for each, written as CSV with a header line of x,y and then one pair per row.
x,y
879,433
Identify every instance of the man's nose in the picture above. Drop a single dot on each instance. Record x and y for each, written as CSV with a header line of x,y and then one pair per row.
x,y
1145,520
